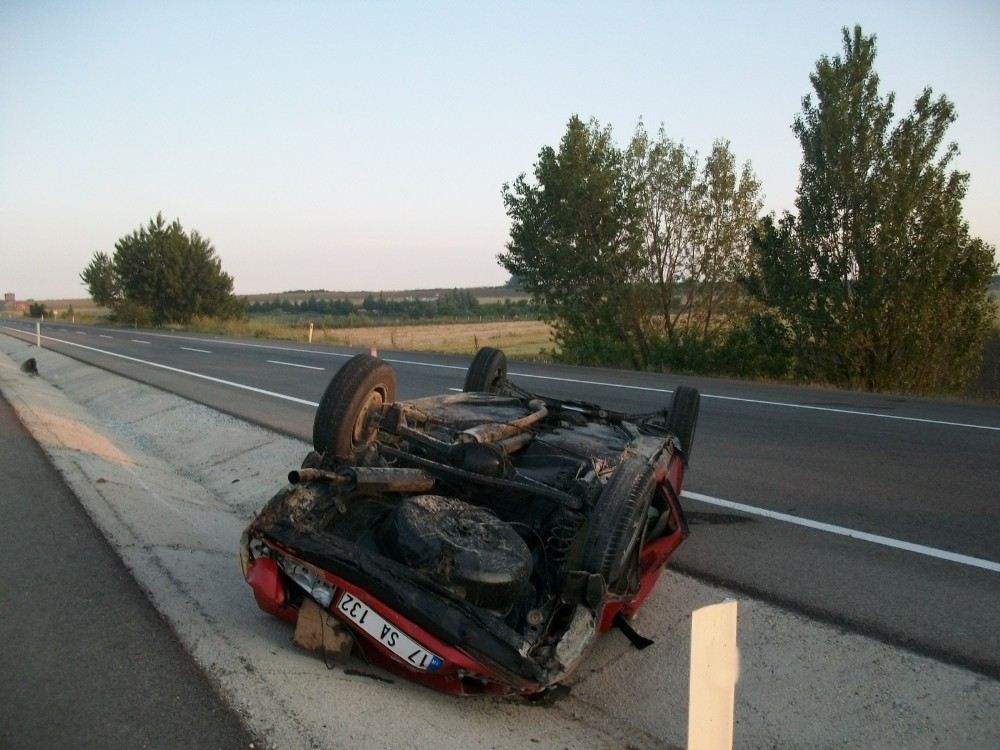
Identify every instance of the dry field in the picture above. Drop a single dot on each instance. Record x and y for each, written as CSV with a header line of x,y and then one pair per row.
x,y
84,308
519,338
525,339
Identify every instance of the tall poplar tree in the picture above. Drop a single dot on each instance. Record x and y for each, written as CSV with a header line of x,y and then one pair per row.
x,y
877,276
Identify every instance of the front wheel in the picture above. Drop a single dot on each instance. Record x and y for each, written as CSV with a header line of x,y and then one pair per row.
x,y
487,371
342,426
618,520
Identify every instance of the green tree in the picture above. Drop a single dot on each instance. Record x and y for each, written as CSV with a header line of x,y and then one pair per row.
x,y
630,247
573,243
729,207
161,274
37,310
877,277
667,194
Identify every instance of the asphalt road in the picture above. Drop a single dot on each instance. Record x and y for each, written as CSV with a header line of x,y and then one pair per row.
x,y
918,478
87,661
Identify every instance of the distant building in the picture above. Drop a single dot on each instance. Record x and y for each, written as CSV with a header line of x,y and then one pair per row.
x,y
9,299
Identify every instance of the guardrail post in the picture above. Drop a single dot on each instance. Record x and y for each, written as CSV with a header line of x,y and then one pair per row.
x,y
714,672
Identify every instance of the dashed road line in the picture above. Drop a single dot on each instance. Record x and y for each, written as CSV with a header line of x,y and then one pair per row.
x,y
294,364
623,386
192,349
179,371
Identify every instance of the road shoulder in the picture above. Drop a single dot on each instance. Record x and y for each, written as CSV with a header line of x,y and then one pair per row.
x,y
88,661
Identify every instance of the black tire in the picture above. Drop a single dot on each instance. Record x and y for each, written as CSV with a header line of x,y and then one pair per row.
x,y
341,424
487,371
618,520
683,417
463,547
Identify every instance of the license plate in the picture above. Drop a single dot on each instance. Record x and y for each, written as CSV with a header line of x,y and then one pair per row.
x,y
387,634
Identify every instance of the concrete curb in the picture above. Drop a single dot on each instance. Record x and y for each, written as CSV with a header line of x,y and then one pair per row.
x,y
172,483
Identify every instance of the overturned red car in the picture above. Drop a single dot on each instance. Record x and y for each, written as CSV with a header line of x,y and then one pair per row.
x,y
476,542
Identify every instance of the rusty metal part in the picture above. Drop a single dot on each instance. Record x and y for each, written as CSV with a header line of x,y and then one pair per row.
x,y
495,432
374,479
422,437
300,476
449,472
390,479
515,442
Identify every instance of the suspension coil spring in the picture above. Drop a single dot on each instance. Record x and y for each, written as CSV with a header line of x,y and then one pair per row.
x,y
563,530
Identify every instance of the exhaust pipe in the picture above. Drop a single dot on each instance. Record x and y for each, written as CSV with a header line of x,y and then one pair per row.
x,y
368,478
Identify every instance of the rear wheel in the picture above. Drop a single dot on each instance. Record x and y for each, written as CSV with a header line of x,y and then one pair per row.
x,y
618,520
487,371
342,425
683,417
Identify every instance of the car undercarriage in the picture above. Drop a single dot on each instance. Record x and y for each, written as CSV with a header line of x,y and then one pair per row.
x,y
491,535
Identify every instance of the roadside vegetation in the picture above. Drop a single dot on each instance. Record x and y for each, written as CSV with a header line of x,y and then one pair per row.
x,y
160,274
648,257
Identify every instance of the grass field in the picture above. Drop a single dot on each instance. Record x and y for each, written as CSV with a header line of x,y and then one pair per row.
x,y
524,339
520,338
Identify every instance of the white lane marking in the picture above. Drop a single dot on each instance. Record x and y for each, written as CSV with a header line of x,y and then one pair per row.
x,y
605,384
293,364
769,403
594,382
105,336
179,371
137,341
863,536
457,390
192,349
852,411
650,389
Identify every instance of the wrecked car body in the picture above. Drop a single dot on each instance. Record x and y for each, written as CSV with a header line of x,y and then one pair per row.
x,y
476,542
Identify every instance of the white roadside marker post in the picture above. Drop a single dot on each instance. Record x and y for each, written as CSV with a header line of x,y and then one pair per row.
x,y
38,334
714,672
310,333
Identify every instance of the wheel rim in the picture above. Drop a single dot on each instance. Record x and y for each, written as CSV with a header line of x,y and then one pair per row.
x,y
361,435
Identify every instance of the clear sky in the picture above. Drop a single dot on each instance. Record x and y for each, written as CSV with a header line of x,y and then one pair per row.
x,y
363,145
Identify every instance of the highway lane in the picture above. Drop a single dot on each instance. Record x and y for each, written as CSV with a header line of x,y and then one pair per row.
x,y
912,470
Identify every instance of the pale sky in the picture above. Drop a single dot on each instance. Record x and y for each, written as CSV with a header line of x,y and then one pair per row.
x,y
363,145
